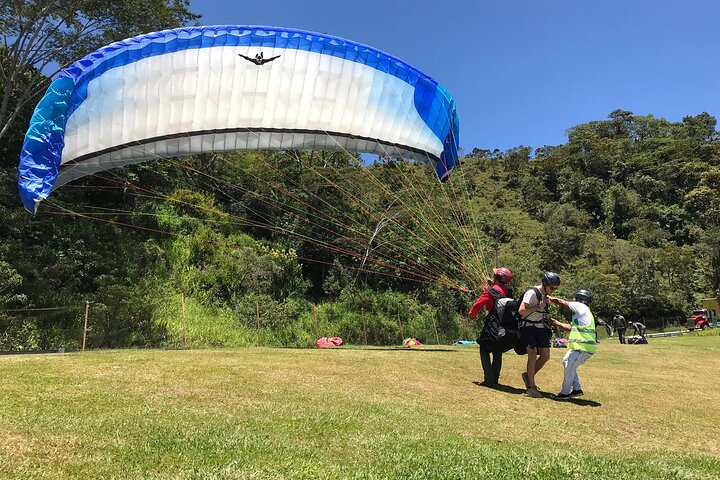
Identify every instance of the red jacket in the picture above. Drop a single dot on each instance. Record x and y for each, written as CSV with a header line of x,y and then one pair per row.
x,y
486,301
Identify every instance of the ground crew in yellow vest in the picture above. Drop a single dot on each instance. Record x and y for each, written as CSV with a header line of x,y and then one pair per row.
x,y
582,342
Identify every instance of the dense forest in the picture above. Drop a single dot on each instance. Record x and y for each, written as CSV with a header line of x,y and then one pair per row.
x,y
299,244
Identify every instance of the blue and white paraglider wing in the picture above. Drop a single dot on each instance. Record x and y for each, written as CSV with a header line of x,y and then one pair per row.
x,y
212,89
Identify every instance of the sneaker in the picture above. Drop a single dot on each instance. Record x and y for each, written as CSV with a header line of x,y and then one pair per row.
x,y
525,380
533,392
576,393
561,396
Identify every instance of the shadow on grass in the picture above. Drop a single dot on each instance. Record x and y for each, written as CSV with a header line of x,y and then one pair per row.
x,y
521,391
576,401
502,388
584,403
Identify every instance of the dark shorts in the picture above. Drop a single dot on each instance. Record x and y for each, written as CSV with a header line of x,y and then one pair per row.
x,y
535,337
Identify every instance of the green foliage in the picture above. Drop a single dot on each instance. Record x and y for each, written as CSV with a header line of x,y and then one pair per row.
x,y
10,282
14,132
620,206
711,332
206,326
564,231
377,318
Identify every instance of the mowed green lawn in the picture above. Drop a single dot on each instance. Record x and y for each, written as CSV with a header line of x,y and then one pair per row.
x,y
649,412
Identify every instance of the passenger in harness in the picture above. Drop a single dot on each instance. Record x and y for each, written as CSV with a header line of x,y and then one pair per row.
x,y
534,331
488,340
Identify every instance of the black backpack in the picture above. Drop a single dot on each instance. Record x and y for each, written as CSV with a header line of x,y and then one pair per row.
x,y
500,331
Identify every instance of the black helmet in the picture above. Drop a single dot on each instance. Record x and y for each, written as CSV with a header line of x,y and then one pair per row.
x,y
584,296
551,278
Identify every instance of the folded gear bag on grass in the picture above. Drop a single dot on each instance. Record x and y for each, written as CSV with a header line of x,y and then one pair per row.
x,y
325,342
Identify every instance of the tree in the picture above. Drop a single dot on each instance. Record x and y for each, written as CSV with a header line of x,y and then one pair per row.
x,y
607,291
564,234
48,35
704,202
14,134
516,158
10,283
14,334
620,205
621,122
701,128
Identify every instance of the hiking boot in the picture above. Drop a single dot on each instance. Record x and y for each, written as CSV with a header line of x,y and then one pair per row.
x,y
533,392
561,396
525,380
576,393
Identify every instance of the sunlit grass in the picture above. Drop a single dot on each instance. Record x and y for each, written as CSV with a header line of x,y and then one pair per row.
x,y
649,412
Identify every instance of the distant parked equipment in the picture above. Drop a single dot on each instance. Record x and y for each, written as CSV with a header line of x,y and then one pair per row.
x,y
700,319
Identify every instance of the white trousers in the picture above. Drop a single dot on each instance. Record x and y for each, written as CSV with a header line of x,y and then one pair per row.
x,y
572,360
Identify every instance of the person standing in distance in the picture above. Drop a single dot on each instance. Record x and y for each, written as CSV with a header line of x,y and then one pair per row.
x,y
582,343
534,331
620,326
491,367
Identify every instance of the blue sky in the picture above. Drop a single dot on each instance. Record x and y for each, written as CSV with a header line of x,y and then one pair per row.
x,y
521,71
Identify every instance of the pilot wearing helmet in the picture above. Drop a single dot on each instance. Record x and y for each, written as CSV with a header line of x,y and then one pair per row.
x,y
490,356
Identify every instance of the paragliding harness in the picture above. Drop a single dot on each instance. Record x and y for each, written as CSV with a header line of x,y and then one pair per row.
x,y
523,321
500,331
538,295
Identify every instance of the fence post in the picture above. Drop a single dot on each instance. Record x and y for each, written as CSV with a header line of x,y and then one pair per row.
x,y
182,303
257,316
87,313
317,333
362,316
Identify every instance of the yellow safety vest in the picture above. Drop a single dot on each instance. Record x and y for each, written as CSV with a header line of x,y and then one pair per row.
x,y
583,338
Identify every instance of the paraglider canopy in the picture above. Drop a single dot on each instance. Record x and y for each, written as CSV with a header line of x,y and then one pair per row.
x,y
210,89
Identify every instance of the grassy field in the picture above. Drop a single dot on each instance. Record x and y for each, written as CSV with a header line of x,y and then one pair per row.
x,y
649,412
